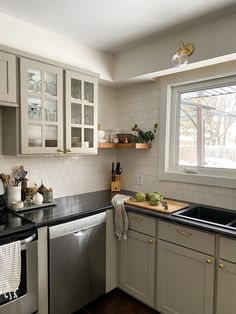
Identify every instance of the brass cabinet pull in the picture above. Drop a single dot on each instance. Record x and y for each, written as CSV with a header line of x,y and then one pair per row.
x,y
184,232
60,150
221,266
137,218
150,241
209,261
68,151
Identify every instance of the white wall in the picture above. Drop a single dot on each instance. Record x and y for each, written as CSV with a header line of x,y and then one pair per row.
x,y
24,36
72,175
211,40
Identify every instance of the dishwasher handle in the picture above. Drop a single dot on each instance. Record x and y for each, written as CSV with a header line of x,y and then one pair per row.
x,y
75,227
80,233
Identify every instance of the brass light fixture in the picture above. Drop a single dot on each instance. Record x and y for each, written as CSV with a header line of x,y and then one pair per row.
x,y
181,56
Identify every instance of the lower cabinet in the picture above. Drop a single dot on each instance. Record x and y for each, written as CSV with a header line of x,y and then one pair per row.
x,y
226,287
185,280
137,266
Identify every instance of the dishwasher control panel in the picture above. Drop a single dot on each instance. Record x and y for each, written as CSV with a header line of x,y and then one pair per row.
x,y
76,225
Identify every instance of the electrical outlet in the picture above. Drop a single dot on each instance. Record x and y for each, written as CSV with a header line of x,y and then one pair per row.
x,y
138,179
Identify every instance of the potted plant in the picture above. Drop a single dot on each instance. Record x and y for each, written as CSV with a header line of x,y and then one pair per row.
x,y
142,137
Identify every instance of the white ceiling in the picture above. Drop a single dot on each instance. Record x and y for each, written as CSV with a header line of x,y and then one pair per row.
x,y
116,25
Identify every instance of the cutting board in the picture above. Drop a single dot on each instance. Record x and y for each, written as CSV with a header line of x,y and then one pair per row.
x,y
173,206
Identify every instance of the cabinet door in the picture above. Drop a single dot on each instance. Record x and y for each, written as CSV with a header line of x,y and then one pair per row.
x,y
137,262
41,108
185,280
81,113
226,287
7,77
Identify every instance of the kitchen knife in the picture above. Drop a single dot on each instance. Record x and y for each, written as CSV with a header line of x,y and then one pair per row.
x,y
113,177
118,169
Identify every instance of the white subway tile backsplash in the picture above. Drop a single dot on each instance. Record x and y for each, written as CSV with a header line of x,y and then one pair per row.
x,y
147,96
118,109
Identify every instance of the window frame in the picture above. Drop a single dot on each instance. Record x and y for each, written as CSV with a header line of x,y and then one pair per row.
x,y
169,139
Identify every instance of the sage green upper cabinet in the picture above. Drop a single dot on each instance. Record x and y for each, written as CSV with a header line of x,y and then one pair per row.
x,y
81,113
41,108
7,78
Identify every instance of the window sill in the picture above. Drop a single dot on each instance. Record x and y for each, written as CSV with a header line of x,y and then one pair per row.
x,y
198,179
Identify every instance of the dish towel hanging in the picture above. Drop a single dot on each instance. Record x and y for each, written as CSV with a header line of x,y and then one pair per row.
x,y
121,220
10,269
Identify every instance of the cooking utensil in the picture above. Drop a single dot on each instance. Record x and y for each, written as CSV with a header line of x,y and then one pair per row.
x,y
19,174
5,179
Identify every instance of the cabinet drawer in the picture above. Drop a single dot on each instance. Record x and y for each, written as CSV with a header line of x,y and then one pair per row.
x,y
142,223
188,237
228,249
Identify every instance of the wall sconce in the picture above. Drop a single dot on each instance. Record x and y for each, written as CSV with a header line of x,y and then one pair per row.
x,y
181,56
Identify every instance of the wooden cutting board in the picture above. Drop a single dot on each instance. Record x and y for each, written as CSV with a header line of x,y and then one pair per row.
x,y
173,206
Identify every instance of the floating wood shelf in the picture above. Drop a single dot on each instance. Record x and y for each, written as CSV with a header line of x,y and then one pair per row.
x,y
124,145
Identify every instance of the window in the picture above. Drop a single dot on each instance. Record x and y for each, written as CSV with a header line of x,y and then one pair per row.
x,y
200,133
207,128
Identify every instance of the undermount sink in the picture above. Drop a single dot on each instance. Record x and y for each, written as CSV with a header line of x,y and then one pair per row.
x,y
211,215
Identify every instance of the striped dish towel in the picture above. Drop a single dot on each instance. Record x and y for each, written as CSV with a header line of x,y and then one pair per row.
x,y
10,268
120,218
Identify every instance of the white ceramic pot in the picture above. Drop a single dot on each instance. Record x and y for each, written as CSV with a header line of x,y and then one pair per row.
x,y
13,195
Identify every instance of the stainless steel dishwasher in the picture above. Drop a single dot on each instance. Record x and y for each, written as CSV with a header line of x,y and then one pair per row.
x,y
77,263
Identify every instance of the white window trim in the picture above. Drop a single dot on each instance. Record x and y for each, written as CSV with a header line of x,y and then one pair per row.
x,y
168,141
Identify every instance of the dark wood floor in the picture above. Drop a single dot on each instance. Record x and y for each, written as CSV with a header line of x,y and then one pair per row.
x,y
116,302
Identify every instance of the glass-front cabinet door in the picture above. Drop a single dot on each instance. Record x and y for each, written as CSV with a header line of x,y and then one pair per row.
x,y
81,113
41,108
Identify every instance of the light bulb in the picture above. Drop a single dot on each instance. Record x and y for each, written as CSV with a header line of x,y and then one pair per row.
x,y
180,58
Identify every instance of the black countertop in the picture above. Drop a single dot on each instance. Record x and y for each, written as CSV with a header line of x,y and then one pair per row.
x,y
70,207
13,227
82,205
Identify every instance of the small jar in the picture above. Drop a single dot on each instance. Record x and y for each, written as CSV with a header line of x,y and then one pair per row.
x,y
115,140
48,196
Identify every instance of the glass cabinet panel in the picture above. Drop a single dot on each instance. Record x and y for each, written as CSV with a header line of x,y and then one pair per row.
x,y
51,136
34,135
34,80
50,108
88,136
41,97
89,92
76,137
88,115
76,113
81,113
34,108
76,89
50,81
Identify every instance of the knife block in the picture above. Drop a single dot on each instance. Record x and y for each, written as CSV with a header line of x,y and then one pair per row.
x,y
116,185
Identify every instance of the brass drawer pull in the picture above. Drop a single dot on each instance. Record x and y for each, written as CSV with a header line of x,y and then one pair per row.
x,y
60,150
221,266
150,241
184,232
209,261
136,218
68,151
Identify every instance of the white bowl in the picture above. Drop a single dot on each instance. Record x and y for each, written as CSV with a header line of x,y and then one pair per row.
x,y
101,134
